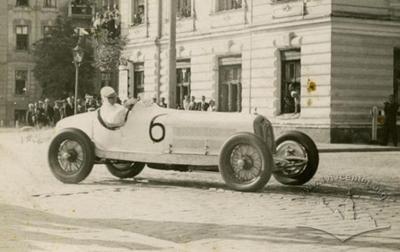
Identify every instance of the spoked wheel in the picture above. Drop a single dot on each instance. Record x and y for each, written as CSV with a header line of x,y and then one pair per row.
x,y
245,162
71,156
296,158
124,169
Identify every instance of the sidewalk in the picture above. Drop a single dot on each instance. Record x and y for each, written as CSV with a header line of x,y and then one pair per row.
x,y
328,147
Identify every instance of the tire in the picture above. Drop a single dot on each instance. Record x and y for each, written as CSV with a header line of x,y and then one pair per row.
x,y
71,156
238,162
125,170
295,146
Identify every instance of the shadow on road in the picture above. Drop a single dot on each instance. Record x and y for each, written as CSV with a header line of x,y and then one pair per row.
x,y
20,227
378,191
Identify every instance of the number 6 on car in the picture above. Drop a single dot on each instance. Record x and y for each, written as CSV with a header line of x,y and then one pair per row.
x,y
242,147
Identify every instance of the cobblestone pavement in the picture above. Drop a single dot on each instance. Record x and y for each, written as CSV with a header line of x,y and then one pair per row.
x,y
352,204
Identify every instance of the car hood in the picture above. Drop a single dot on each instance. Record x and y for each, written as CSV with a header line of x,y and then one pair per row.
x,y
83,121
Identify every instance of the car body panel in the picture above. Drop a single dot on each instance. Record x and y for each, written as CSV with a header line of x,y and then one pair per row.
x,y
153,134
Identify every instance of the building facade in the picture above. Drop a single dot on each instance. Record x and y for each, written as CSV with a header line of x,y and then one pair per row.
x,y
23,22
314,65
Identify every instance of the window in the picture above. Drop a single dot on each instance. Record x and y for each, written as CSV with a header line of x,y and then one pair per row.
x,y
184,8
290,85
21,77
50,4
22,37
137,12
230,87
396,74
81,7
138,80
223,5
19,115
182,81
22,3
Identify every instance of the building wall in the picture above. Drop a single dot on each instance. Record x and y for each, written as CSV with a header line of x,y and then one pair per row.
x,y
3,63
345,46
362,75
364,36
36,16
256,33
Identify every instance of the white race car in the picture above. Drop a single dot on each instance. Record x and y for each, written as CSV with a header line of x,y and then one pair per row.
x,y
241,146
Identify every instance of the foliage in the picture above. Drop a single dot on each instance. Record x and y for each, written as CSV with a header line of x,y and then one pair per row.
x,y
54,68
109,43
108,50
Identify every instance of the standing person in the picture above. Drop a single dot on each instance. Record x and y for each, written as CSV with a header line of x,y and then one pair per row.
x,y
389,126
57,113
203,105
40,115
292,98
296,98
90,104
193,104
69,107
35,108
211,106
30,115
186,102
162,103
48,112
62,109
80,106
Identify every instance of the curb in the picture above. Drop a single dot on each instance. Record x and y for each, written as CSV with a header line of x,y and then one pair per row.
x,y
357,149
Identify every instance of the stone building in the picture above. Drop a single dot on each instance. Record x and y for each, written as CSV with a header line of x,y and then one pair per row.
x,y
339,57
23,22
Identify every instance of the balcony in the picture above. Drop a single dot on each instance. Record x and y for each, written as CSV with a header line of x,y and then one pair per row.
x,y
79,9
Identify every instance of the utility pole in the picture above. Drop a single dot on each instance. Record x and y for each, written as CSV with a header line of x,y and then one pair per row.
x,y
172,55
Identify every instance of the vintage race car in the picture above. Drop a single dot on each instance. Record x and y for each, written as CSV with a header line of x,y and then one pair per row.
x,y
241,146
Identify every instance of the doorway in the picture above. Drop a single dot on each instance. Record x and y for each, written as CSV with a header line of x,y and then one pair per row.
x,y
396,74
230,86
290,85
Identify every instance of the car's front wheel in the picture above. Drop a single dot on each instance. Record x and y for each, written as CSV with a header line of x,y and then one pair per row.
x,y
296,158
245,162
125,169
71,156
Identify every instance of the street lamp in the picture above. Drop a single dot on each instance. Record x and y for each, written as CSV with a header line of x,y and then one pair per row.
x,y
77,53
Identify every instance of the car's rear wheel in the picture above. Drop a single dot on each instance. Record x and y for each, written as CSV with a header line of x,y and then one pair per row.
x,y
296,158
245,162
71,156
125,169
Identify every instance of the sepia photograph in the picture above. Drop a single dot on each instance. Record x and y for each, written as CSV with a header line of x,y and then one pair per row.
x,y
199,125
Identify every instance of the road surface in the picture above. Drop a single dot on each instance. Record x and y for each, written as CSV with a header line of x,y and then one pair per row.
x,y
352,204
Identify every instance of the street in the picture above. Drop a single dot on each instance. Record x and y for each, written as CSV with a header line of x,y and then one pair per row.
x,y
352,204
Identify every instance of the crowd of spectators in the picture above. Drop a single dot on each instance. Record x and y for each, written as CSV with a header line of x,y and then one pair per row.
x,y
44,113
190,103
109,19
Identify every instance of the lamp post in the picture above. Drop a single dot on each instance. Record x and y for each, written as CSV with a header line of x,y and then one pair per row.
x,y
77,53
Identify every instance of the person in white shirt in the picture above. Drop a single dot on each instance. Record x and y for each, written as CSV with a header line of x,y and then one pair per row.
x,y
112,113
186,102
211,106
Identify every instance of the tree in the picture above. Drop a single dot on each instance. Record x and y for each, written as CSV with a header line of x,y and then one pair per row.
x,y
108,50
108,41
54,68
